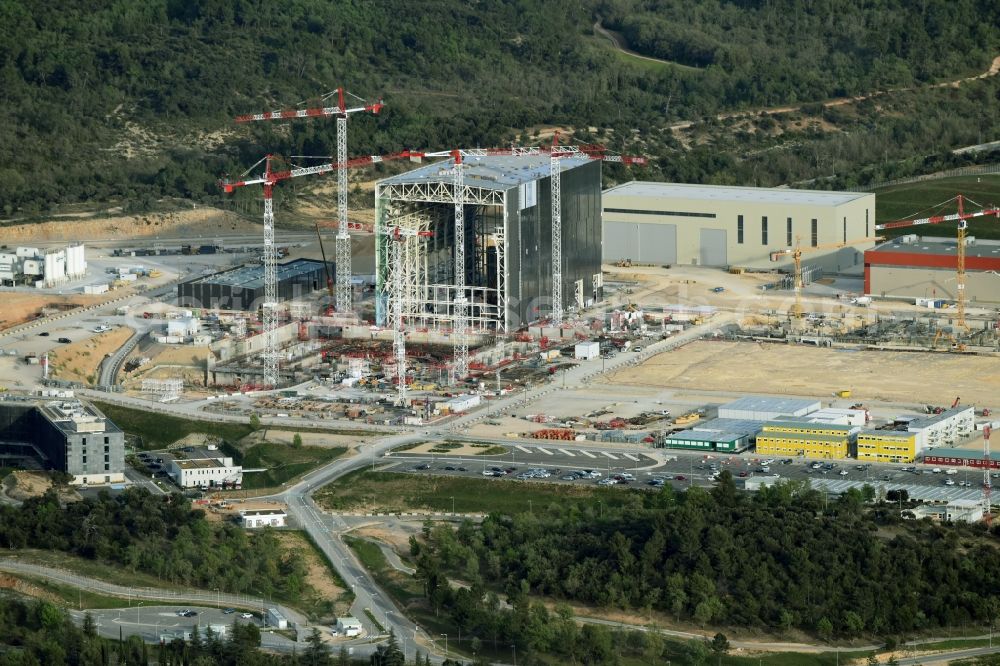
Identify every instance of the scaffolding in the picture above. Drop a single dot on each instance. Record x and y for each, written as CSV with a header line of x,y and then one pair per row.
x,y
163,390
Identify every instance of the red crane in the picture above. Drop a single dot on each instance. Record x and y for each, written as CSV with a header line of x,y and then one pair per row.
x,y
340,112
267,180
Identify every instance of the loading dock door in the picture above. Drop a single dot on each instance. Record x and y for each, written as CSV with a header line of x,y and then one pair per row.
x,y
713,247
621,241
658,243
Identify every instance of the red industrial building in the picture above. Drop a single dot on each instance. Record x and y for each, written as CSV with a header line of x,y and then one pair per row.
x,y
925,267
959,458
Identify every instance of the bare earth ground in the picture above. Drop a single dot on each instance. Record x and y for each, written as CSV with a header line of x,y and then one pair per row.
x,y
324,439
899,377
164,362
198,221
19,307
22,485
8,582
217,513
396,538
80,361
318,576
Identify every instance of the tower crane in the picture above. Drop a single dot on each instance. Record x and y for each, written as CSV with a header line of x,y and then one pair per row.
x,y
987,483
962,218
555,152
343,238
267,180
398,236
555,181
798,251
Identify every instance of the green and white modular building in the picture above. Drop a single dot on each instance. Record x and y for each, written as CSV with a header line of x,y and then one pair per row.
x,y
715,436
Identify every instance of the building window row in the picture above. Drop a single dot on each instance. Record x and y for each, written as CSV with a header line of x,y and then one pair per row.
x,y
673,213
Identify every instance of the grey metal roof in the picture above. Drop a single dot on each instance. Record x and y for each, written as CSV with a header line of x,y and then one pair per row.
x,y
961,454
494,172
741,426
252,277
705,436
936,245
934,419
754,403
733,193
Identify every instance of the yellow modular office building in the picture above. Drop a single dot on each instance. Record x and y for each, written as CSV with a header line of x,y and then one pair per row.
x,y
887,446
712,225
810,440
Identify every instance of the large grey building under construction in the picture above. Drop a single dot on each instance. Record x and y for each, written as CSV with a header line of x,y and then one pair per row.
x,y
508,241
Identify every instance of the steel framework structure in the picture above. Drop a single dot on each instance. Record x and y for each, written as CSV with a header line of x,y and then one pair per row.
x,y
267,180
343,238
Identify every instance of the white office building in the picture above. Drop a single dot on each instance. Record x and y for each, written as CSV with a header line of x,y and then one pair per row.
x,y
205,471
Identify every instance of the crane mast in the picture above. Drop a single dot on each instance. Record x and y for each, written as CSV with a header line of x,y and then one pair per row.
x,y
267,180
269,310
962,218
343,296
461,325
987,483
344,271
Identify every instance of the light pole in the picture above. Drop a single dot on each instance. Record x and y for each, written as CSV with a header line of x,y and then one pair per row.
x,y
452,505
445,644
513,648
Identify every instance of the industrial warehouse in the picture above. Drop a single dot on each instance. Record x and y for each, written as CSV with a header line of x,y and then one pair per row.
x,y
243,288
924,268
723,226
64,435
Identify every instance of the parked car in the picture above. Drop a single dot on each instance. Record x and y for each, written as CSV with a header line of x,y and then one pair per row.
x,y
44,334
65,340
680,477
228,611
246,616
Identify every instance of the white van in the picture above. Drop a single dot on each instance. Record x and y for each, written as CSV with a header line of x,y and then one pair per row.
x,y
951,470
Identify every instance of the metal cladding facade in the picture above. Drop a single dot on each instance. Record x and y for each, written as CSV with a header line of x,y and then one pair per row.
x,y
713,225
926,267
507,215
243,288
529,256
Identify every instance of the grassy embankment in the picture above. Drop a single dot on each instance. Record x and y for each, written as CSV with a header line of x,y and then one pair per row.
x,y
913,200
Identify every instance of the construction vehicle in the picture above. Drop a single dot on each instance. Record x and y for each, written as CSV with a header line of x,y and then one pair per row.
x,y
624,263
797,253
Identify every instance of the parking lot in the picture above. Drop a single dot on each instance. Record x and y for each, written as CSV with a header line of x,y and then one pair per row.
x,y
575,465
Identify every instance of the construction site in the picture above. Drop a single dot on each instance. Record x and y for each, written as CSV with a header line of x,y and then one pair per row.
x,y
489,271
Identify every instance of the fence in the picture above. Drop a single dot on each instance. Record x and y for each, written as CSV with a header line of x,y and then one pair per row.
x,y
963,171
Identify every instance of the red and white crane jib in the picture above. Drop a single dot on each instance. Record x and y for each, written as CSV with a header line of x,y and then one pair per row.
x,y
318,112
937,219
273,177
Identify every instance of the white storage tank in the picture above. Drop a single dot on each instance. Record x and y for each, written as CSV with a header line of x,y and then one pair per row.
x,y
76,265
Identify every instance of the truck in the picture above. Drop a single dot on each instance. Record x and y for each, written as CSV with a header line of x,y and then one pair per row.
x,y
863,301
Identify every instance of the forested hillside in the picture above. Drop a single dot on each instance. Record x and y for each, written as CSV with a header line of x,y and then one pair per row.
x,y
133,100
780,559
